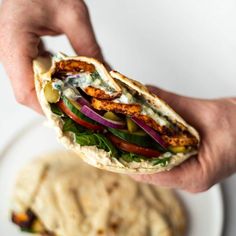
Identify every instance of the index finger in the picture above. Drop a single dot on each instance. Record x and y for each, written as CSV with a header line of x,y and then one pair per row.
x,y
18,65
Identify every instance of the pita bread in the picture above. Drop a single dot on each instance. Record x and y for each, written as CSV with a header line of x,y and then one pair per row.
x,y
74,199
44,68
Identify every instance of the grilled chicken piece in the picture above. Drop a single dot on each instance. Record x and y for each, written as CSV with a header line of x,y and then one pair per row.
x,y
74,66
127,109
99,93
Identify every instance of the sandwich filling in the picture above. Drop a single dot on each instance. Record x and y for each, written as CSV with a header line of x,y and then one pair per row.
x,y
28,222
112,116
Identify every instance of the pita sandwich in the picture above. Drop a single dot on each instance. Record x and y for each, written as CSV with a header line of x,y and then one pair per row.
x,y
67,197
111,122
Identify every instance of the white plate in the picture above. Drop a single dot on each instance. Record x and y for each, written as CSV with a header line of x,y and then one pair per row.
x,y
205,210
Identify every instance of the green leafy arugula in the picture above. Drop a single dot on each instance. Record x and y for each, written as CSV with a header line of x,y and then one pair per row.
x,y
98,140
86,137
129,157
70,125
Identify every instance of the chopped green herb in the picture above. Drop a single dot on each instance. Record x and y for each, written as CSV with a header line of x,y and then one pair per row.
x,y
96,76
160,161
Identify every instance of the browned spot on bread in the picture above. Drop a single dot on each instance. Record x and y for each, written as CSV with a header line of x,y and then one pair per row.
x,y
112,187
100,231
74,66
127,109
99,93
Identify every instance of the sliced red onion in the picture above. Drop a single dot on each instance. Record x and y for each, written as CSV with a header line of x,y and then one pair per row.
x,y
88,111
150,131
83,102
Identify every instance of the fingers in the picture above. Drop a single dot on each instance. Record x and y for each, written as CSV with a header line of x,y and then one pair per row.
x,y
77,26
18,66
188,176
191,109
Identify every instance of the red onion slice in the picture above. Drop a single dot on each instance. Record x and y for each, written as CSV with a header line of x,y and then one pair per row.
x,y
88,111
150,132
83,102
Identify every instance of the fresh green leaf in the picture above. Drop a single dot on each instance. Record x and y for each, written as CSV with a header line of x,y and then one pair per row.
x,y
70,125
105,144
98,140
129,157
56,110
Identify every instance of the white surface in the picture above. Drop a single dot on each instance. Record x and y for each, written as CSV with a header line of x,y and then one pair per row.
x,y
185,46
205,210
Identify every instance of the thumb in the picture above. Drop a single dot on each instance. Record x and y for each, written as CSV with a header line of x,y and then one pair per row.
x,y
78,28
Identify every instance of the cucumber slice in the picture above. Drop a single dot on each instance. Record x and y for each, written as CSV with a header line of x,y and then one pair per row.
x,y
139,138
76,111
112,116
52,95
132,127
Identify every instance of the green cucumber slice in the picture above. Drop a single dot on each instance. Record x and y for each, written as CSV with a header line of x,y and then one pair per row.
x,y
139,138
73,109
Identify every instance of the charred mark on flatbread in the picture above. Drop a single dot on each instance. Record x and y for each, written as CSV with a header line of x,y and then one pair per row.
x,y
76,198
114,185
100,231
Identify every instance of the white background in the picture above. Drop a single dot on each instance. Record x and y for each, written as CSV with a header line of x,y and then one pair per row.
x,y
185,46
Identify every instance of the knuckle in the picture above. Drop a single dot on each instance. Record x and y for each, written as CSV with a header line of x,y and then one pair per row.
x,y
79,10
23,97
204,186
94,51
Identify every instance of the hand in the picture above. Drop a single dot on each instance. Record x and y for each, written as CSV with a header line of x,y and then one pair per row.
x,y
23,22
215,121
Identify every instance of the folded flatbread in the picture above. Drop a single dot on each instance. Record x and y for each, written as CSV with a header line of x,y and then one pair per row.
x,y
112,122
59,195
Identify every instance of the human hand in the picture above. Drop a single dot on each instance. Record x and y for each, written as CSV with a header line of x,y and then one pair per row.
x,y
24,22
215,121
